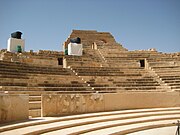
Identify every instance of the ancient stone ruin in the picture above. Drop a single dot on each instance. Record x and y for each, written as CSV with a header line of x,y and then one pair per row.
x,y
107,77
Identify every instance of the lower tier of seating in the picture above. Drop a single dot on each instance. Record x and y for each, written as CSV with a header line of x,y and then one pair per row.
x,y
103,123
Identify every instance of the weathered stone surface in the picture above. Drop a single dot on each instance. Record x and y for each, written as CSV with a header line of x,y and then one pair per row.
x,y
105,68
137,100
14,107
66,104
53,105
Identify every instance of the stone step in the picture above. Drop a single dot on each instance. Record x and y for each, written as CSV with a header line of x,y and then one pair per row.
x,y
34,113
175,87
24,72
174,84
143,88
18,88
12,72
34,105
170,77
166,67
37,93
106,74
35,98
106,68
15,65
168,72
172,81
122,121
132,127
138,85
12,84
159,70
14,80
157,131
136,81
61,85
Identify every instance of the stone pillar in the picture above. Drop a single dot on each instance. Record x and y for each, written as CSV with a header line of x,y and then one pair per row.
x,y
64,63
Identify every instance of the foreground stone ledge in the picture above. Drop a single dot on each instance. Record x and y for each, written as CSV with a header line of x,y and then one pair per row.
x,y
13,107
68,104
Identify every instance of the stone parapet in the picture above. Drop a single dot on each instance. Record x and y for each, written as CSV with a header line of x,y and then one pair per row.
x,y
68,104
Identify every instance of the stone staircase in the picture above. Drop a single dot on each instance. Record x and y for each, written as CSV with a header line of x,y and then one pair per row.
x,y
92,73
114,122
118,79
21,78
168,70
108,69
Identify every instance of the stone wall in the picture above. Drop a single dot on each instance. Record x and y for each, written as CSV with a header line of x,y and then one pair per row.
x,y
138,100
54,105
41,58
67,104
40,62
90,36
14,107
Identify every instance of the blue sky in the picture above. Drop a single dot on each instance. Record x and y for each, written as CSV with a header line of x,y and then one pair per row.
x,y
136,24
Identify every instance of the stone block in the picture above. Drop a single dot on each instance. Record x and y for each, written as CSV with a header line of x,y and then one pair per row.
x,y
92,103
66,104
137,100
13,107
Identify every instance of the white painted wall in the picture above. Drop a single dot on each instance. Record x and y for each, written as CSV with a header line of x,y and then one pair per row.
x,y
13,43
75,49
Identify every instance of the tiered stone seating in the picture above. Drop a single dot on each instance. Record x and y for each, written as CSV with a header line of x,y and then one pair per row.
x,y
106,68
109,68
114,122
168,70
19,78
101,78
117,57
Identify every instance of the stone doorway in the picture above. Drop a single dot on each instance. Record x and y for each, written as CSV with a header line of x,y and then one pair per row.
x,y
142,63
60,61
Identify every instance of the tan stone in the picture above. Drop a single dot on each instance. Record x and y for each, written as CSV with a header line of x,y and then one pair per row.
x,y
66,104
14,107
137,100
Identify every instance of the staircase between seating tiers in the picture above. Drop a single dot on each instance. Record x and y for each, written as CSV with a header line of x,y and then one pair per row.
x,y
19,78
168,70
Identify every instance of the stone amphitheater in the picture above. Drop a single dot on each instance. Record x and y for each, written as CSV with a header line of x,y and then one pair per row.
x,y
107,90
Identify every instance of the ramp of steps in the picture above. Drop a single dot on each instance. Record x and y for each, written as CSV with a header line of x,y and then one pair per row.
x,y
34,104
170,75
115,122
